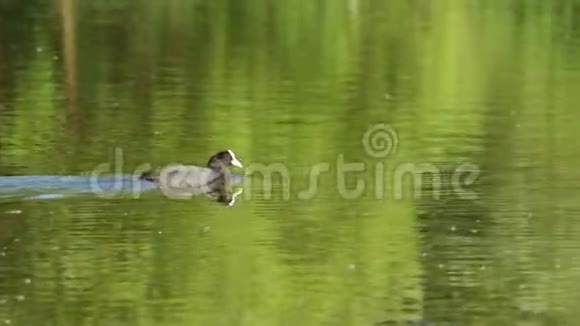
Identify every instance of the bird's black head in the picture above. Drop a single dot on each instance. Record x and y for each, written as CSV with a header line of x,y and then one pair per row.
x,y
223,159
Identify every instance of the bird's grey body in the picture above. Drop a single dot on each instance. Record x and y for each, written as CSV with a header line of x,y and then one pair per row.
x,y
179,181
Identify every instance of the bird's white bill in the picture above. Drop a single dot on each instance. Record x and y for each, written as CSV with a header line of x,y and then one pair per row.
x,y
235,161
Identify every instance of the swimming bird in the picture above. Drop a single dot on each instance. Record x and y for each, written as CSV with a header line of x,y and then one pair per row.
x,y
183,181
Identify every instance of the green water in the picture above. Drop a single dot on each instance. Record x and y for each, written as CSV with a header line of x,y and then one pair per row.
x,y
487,86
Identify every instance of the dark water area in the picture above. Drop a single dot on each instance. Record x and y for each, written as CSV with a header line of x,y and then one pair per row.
x,y
405,162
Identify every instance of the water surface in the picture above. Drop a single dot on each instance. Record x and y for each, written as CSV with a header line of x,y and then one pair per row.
x,y
111,86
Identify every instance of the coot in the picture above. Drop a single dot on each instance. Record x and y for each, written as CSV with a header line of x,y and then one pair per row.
x,y
183,181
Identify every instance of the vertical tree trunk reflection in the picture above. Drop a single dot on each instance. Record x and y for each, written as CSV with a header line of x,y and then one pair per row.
x,y
68,24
